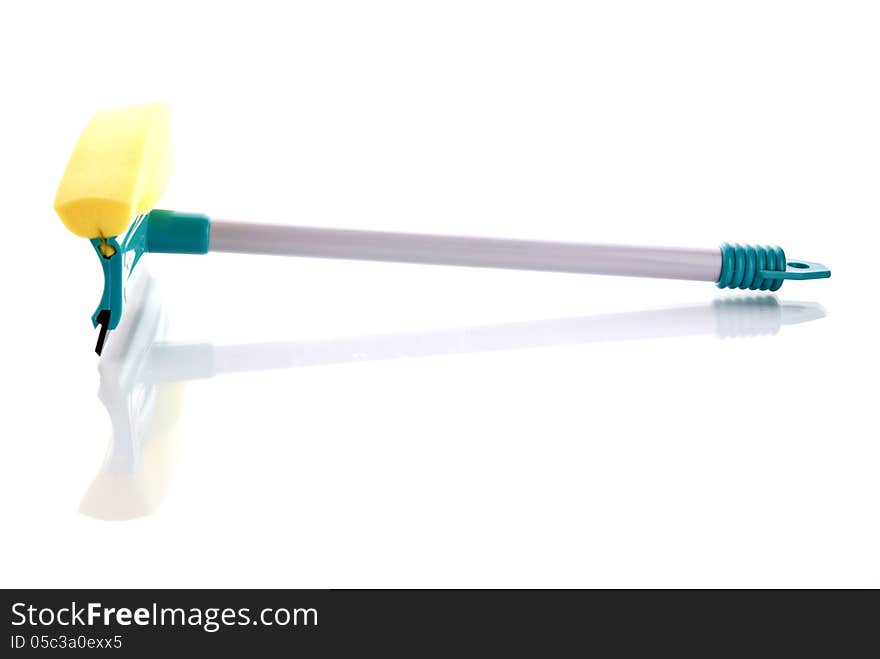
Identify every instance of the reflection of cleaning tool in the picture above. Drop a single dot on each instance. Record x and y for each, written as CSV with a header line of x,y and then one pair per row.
x,y
143,375
144,415
121,164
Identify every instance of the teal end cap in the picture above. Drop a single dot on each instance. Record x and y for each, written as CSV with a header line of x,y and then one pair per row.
x,y
757,267
170,232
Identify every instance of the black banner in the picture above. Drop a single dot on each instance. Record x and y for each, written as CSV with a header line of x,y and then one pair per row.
x,y
121,622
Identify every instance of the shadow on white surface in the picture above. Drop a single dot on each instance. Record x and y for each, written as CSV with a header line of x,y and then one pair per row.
x,y
143,376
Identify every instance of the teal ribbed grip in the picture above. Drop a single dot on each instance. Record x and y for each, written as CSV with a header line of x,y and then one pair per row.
x,y
757,267
751,267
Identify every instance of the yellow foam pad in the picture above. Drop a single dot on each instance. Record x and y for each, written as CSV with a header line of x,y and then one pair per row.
x,y
119,168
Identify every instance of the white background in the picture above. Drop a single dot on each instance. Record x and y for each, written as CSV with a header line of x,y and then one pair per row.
x,y
685,460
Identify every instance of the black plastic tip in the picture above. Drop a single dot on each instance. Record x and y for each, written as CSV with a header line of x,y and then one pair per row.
x,y
103,321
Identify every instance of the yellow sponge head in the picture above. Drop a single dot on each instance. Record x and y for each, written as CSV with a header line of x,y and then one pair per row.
x,y
118,169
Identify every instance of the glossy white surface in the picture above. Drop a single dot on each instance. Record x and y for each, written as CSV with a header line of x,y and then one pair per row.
x,y
432,426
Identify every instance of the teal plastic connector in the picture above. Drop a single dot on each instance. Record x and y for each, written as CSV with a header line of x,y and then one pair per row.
x,y
158,231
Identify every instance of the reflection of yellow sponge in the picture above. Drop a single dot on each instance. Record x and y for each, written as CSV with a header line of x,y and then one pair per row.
x,y
118,169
